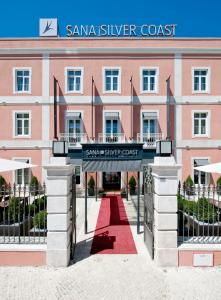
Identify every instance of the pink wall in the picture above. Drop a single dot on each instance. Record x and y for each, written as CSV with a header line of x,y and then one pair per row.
x,y
215,67
185,257
6,117
35,156
215,121
93,67
22,258
214,155
7,65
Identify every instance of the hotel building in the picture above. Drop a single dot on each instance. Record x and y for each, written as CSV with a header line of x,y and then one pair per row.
x,y
124,90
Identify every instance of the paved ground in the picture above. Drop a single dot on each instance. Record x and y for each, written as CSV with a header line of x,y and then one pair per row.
x,y
109,276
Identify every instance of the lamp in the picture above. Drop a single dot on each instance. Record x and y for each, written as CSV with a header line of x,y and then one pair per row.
x,y
164,148
60,148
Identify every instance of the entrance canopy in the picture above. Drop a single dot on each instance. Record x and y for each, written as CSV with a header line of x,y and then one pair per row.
x,y
12,165
111,166
211,168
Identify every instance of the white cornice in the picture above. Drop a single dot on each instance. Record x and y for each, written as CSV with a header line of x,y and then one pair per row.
x,y
198,144
110,50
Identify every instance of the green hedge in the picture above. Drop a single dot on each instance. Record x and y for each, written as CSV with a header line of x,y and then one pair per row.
x,y
40,220
201,209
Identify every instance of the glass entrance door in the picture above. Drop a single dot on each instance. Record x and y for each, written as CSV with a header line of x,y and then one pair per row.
x,y
111,181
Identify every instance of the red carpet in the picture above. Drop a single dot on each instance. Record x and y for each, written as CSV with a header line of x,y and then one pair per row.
x,y
113,234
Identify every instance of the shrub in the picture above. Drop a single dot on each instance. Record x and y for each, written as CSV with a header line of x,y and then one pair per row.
x,y
218,185
91,183
2,181
15,210
34,185
40,220
201,209
132,185
218,182
40,203
189,182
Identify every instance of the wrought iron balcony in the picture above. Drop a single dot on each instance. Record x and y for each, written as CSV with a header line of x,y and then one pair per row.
x,y
111,138
149,139
74,139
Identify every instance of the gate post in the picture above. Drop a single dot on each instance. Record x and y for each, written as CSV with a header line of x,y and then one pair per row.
x,y
165,175
59,185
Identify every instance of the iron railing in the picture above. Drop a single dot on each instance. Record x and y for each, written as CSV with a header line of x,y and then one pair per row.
x,y
111,138
149,139
23,214
74,138
199,214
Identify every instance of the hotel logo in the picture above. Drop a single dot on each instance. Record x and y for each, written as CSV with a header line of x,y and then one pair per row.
x,y
48,27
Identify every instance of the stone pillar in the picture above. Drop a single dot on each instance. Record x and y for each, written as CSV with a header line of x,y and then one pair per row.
x,y
165,174
59,174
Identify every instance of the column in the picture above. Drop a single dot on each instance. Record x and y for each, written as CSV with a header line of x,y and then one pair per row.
x,y
165,174
59,174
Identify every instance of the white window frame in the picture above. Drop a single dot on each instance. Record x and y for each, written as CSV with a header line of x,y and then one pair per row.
x,y
192,167
156,90
69,117
207,91
208,112
104,69
15,123
82,80
15,79
14,172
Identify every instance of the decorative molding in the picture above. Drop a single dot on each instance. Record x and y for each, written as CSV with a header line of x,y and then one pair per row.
x,y
198,144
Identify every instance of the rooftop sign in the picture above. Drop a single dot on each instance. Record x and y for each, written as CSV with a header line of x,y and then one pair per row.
x,y
49,28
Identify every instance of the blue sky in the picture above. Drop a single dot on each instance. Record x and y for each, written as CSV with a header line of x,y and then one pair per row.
x,y
193,17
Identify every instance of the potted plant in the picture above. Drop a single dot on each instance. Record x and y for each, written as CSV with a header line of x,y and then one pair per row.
x,y
123,193
34,184
189,186
218,186
91,185
132,185
101,193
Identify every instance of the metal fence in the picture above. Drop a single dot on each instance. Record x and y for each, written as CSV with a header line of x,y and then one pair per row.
x,y
23,214
199,214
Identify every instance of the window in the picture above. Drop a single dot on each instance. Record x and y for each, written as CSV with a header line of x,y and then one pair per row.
x,y
200,123
74,80
200,80
22,82
200,178
149,80
22,176
112,80
78,174
111,126
22,124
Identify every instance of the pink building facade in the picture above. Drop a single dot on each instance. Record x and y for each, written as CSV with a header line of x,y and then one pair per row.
x,y
110,91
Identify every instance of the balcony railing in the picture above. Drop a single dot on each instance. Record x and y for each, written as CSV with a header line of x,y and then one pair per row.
x,y
74,139
149,139
111,138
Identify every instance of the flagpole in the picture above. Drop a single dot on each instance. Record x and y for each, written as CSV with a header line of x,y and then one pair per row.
x,y
131,106
92,107
168,109
55,110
